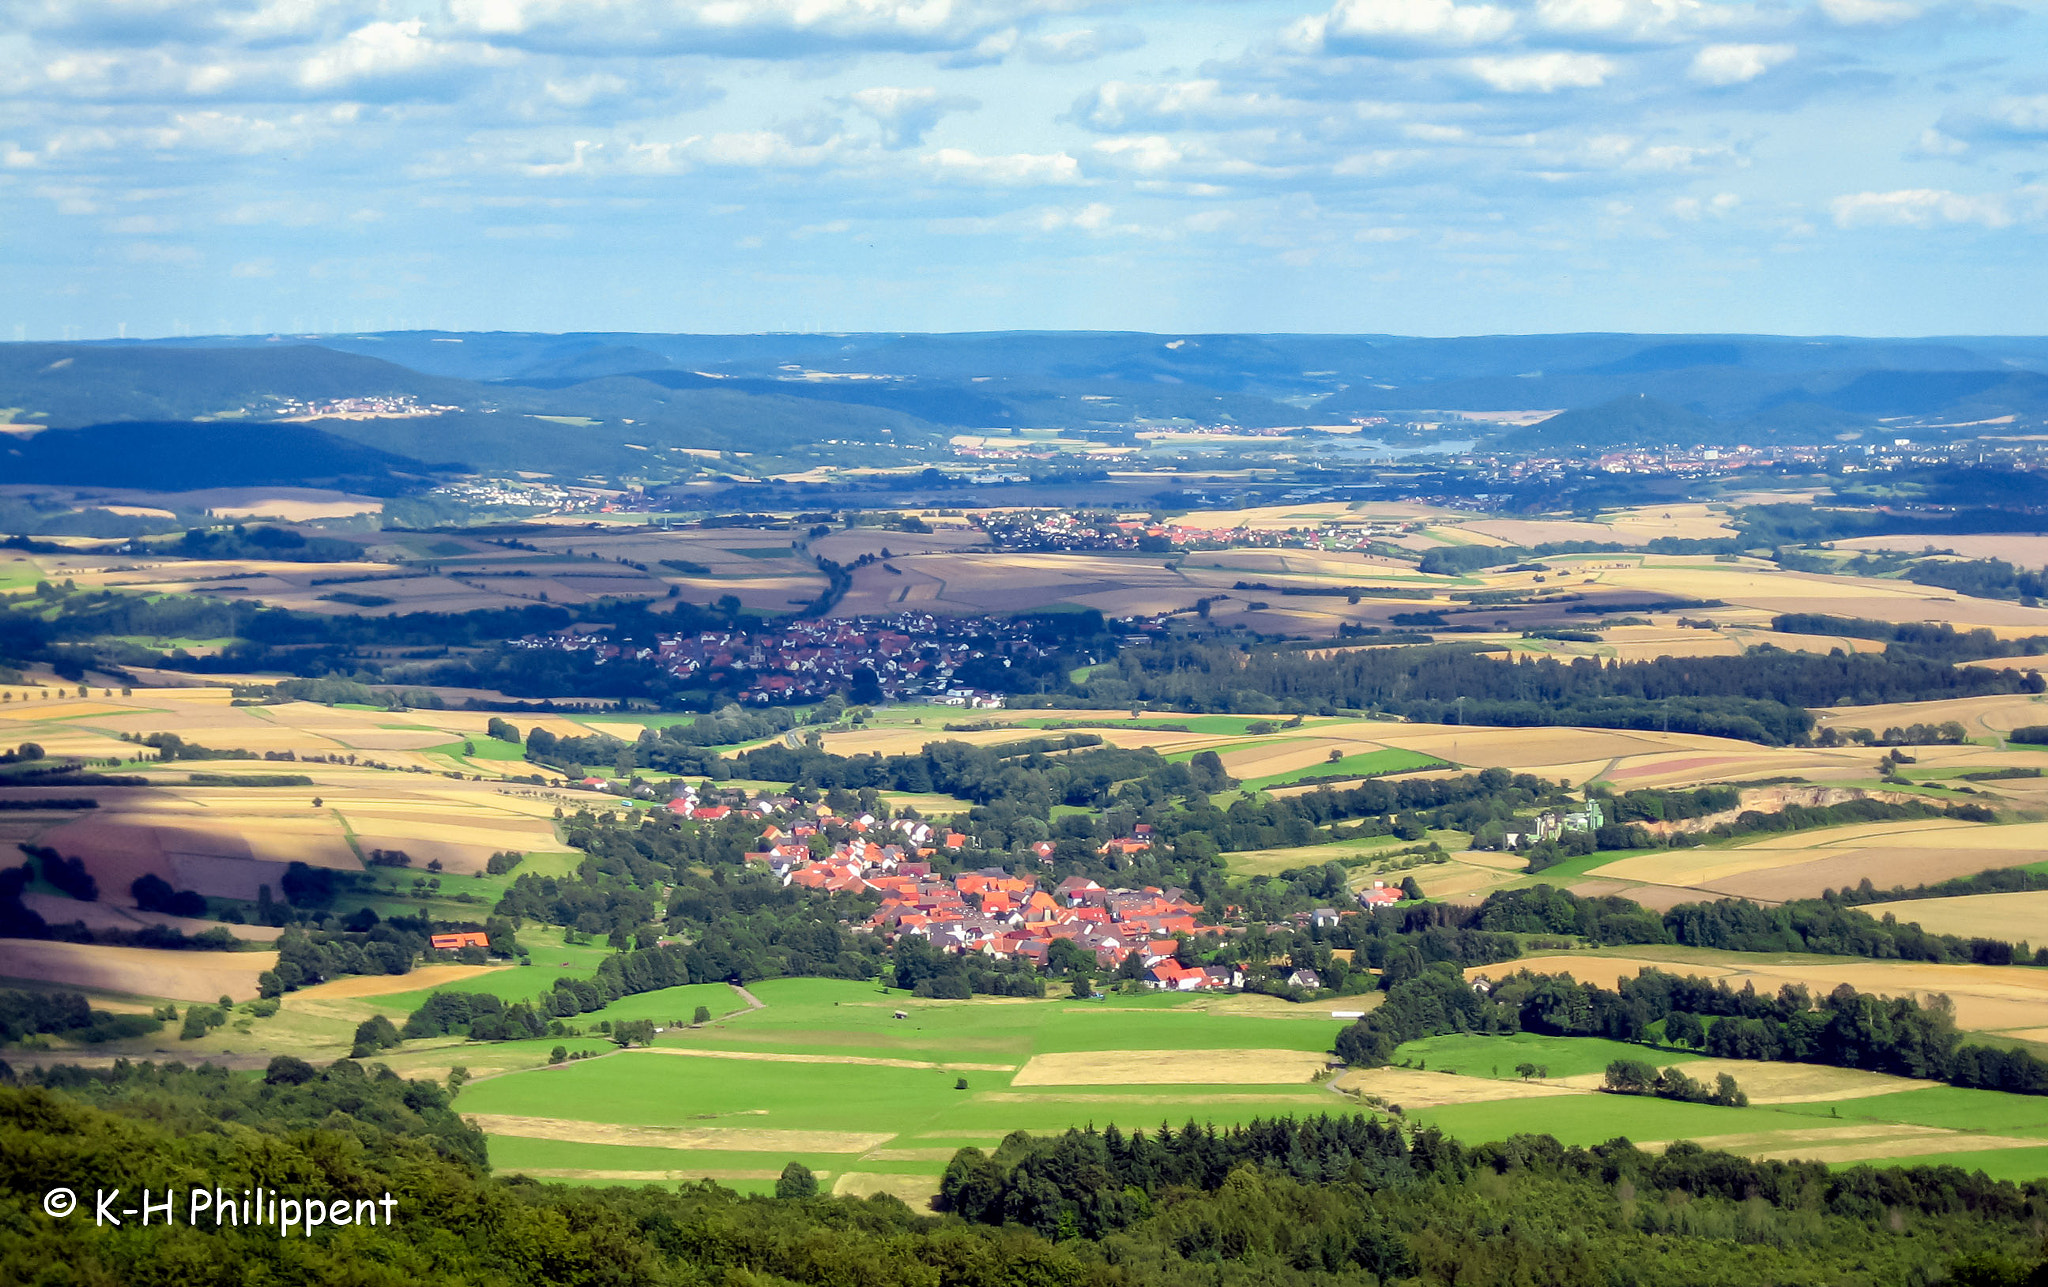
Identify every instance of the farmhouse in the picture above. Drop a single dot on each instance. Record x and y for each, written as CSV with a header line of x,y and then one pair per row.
x,y
457,941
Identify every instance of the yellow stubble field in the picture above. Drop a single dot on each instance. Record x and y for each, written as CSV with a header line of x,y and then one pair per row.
x,y
1987,998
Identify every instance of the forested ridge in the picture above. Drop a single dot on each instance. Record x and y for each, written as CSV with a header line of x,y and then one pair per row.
x,y
1844,1029
1761,696
1333,1201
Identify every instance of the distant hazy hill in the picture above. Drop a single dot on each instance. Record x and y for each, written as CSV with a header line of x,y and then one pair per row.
x,y
82,384
1624,422
652,393
181,456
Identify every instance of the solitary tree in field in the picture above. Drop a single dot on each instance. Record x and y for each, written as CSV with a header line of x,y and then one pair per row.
x,y
796,1183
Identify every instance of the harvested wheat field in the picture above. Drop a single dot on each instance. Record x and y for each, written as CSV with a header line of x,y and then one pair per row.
x,y
1773,590
730,1139
1992,716
652,1177
2017,918
869,1061
1690,767
1713,863
1844,1144
1782,1083
1267,758
1411,1088
917,1192
1806,864
136,971
1171,1068
2021,664
1987,998
1884,868
57,909
1533,748
377,985
2022,550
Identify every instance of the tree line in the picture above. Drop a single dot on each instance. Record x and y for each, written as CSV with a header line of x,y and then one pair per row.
x,y
1336,1201
1844,1029
1761,696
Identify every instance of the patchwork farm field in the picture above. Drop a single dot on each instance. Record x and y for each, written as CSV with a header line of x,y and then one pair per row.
x,y
1994,1000
1468,1086
824,1074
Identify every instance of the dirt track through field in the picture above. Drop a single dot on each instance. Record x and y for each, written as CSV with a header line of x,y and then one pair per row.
x,y
1987,998
824,1059
732,1139
377,985
1413,1088
649,1177
1782,1083
1077,1097
136,971
1170,1068
1855,1143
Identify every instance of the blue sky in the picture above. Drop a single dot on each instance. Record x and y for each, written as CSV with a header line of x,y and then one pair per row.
x,y
1412,166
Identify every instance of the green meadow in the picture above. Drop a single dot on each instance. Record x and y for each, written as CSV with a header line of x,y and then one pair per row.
x,y
1347,771
801,1067
827,1074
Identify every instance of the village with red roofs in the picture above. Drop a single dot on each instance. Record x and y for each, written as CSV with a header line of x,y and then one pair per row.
x,y
991,911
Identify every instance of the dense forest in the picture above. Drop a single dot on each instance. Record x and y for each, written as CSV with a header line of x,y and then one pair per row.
x,y
1323,1202
1761,696
1844,1029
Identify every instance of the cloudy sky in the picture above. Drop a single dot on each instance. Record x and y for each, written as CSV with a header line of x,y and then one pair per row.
x,y
1412,166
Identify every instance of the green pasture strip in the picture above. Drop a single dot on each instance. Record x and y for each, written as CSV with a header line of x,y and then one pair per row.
x,y
511,1154
652,1089
1366,764
1950,1107
1277,737
669,1005
1583,865
1164,1028
1477,1055
1271,862
929,804
1586,1120
2018,1165
487,748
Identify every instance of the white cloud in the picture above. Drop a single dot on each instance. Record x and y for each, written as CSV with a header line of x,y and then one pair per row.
x,y
1716,206
1542,73
1122,105
907,115
529,232
1150,154
1082,45
1093,217
751,28
1639,20
1016,170
384,50
1737,64
254,268
2007,122
1933,144
578,92
1857,13
1918,208
1411,22
765,149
